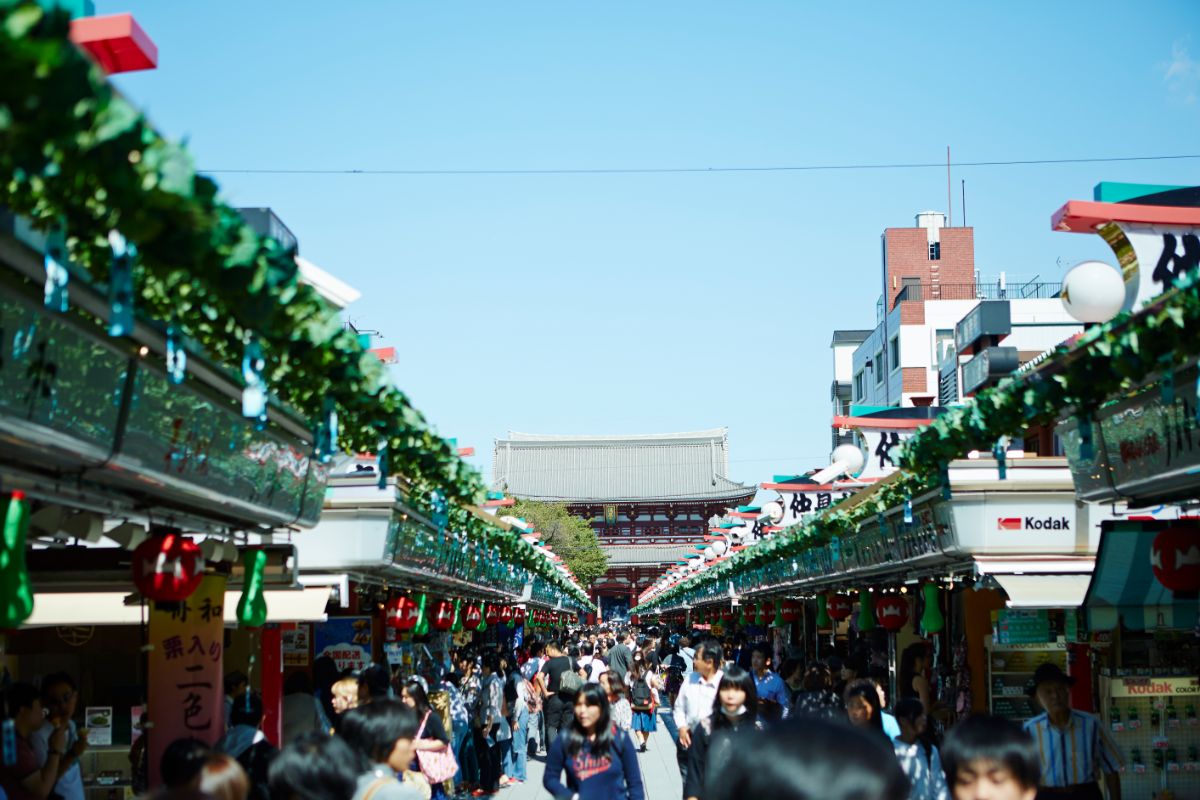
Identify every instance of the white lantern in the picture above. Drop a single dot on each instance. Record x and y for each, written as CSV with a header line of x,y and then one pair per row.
x,y
851,456
718,547
708,553
1093,292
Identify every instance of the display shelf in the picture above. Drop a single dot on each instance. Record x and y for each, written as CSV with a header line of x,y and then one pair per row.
x,y
1153,721
1011,668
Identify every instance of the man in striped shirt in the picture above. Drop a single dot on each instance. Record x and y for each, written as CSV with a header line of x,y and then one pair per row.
x,y
1073,746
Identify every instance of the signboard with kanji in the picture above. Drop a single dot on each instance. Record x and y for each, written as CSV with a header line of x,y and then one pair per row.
x,y
296,643
186,696
347,640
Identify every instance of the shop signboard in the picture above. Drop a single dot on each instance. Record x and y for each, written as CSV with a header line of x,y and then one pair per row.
x,y
1019,523
1021,626
880,446
1137,686
347,640
185,660
297,641
792,507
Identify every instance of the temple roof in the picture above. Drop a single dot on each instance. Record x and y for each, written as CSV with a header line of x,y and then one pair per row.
x,y
611,469
624,554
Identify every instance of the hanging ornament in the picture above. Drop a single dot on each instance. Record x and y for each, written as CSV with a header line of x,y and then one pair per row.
x,y
519,615
422,626
167,568
383,464
747,613
1000,453
792,610
728,614
866,614
491,614
15,589
840,606
402,613
892,611
254,395
760,618
327,432
176,356
474,618
1175,559
443,615
779,621
908,511
57,276
932,620
506,616
457,625
252,607
823,618
120,285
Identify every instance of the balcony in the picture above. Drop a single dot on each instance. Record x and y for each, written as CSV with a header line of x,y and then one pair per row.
x,y
978,291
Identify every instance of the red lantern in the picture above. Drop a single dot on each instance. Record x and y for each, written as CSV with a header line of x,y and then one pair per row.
x,y
472,617
749,611
727,614
1175,559
839,606
519,615
892,611
167,568
634,619
792,609
491,614
443,615
506,615
402,613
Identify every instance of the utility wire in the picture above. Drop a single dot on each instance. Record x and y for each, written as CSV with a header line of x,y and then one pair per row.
x,y
681,170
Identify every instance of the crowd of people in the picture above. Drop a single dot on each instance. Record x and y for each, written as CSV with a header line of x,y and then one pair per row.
x,y
587,701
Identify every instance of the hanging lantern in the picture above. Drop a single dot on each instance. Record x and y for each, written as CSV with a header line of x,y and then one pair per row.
x,y
457,626
728,614
167,568
748,613
443,615
892,611
866,614
402,613
635,619
492,614
839,606
792,610
252,606
932,620
422,626
823,619
520,615
761,618
472,617
14,577
779,621
1175,559
506,616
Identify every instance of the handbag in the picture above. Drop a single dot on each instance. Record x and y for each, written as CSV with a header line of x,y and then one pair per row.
x,y
436,765
570,681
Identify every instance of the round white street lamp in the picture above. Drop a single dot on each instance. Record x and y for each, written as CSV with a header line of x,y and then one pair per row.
x,y
1093,292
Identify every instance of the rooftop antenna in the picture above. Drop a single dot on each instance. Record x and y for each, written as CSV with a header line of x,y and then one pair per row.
x,y
949,197
964,203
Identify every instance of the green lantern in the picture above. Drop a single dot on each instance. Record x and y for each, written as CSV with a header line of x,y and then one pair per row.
x,y
760,618
866,611
422,626
457,625
742,616
252,606
778,622
17,594
823,619
932,620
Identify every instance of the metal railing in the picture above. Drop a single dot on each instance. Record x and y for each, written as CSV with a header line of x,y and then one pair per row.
x,y
978,291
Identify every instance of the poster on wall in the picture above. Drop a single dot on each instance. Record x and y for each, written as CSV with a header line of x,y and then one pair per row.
x,y
296,644
347,640
99,723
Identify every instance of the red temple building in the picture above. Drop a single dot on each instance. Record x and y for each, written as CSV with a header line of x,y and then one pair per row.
x,y
649,498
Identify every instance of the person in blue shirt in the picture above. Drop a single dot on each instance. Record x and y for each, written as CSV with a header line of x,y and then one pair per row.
x,y
773,695
864,707
600,760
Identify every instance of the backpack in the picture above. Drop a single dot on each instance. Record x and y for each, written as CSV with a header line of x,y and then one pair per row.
x,y
570,681
641,696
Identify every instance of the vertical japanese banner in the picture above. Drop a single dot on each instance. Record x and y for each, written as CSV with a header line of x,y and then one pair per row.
x,y
186,698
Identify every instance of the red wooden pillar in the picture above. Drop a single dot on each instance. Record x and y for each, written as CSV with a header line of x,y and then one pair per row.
x,y
1079,667
272,684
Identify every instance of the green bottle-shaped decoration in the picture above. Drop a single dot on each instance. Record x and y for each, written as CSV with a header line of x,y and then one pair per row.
x,y
932,620
866,611
823,619
252,606
778,622
422,626
457,625
742,616
17,594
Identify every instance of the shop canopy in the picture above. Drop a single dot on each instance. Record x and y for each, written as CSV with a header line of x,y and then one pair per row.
x,y
1040,581
109,608
1124,588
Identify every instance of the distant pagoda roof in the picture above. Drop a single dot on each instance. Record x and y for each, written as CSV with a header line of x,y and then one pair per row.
x,y
612,469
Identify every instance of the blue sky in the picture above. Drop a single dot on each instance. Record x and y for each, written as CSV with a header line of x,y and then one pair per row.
x,y
653,303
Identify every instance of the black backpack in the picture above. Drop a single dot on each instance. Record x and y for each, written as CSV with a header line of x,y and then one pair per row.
x,y
641,695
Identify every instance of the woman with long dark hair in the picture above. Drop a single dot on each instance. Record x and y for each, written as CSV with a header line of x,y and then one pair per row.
x,y
716,739
643,698
863,706
431,732
600,760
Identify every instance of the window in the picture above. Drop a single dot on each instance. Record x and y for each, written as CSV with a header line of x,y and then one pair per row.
x,y
943,344
859,388
879,366
935,251
894,355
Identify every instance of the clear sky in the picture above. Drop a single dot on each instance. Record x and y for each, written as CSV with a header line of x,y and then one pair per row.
x,y
655,303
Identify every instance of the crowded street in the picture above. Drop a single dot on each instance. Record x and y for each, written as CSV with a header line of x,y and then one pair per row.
x,y
534,400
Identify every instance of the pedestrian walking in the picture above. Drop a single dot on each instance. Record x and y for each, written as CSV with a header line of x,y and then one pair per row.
x,y
864,707
772,691
560,682
918,757
382,734
816,697
493,725
599,759
314,767
618,703
432,745
991,758
719,739
696,697
643,699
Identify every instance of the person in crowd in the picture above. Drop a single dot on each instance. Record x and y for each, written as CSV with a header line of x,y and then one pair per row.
x,y
649,650
918,757
246,742
723,736
740,652
618,704
643,699
325,675
60,697
853,668
816,697
301,710
559,699
460,718
1075,749
517,703
222,778
687,652
890,726
469,752
599,759
533,704
792,672
991,758
316,767
696,697
382,734
676,669
431,734
811,759
493,725
911,681
773,699
620,656
181,769
864,707
235,686
592,667
26,778
344,697
374,683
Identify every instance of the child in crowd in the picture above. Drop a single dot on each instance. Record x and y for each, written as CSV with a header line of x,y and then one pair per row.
x,y
991,757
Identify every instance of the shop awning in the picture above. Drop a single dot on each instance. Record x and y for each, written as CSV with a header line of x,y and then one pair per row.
x,y
108,608
1124,589
1044,591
